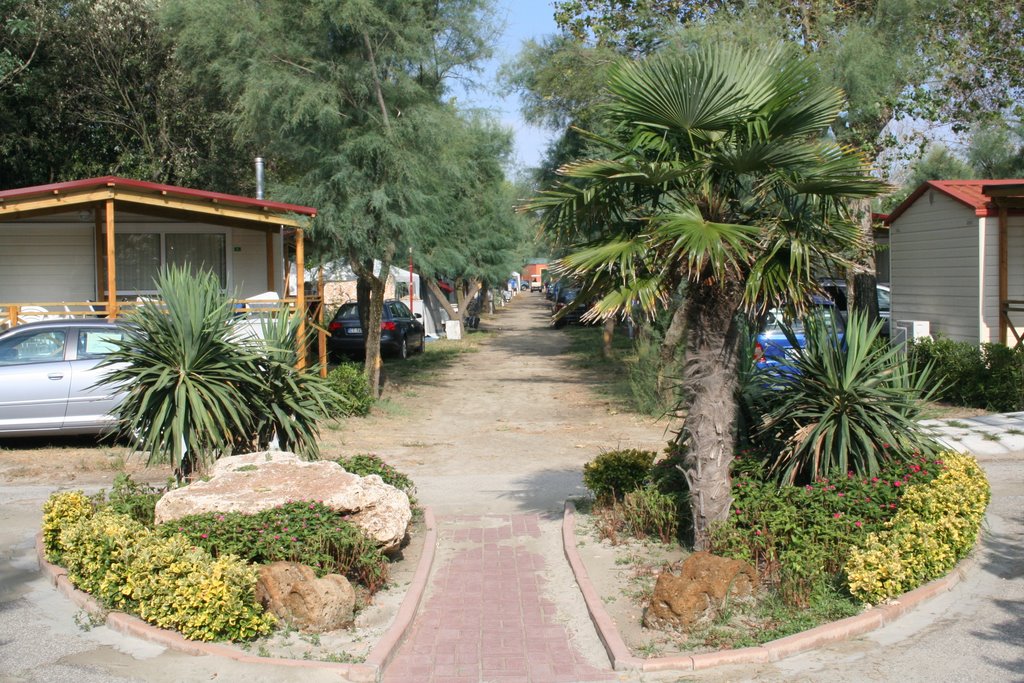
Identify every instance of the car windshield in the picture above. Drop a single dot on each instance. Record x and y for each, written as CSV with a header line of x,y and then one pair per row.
x,y
348,311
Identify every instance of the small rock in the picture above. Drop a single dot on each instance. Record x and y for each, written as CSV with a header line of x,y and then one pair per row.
x,y
699,591
293,593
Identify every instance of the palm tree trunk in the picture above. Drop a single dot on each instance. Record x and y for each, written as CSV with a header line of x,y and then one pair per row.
x,y
608,337
707,436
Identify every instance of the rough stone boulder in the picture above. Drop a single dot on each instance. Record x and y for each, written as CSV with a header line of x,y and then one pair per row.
x,y
699,591
259,481
293,593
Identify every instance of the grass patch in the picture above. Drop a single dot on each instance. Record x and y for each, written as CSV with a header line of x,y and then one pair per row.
x,y
424,367
613,377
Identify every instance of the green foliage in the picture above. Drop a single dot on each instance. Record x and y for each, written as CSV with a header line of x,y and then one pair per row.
x,y
936,525
94,88
133,499
61,510
349,380
198,391
844,405
166,581
989,376
291,402
306,532
192,388
647,511
613,474
799,536
367,463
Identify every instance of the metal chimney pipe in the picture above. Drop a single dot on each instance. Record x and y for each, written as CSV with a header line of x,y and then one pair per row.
x,y
259,178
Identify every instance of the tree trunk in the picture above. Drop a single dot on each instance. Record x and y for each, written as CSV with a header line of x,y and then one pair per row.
x,y
374,313
707,437
674,336
607,336
442,298
862,286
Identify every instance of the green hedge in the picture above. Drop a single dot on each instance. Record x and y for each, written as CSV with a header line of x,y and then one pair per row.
x,y
989,376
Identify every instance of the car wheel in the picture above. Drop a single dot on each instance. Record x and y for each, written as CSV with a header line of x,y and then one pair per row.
x,y
403,349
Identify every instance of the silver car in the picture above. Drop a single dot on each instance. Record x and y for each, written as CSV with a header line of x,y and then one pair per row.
x,y
48,378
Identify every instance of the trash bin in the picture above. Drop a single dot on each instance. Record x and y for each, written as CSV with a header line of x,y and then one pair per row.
x,y
453,329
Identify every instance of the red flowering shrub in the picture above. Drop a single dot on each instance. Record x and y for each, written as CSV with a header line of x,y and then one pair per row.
x,y
798,536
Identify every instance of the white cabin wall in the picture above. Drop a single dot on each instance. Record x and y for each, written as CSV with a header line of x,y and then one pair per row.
x,y
935,271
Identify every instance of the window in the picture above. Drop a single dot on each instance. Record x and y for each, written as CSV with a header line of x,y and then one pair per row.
x,y
43,346
139,256
96,343
203,251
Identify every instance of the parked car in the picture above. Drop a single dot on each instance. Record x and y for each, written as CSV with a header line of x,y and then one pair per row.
x,y
568,297
535,283
400,330
773,348
48,375
836,290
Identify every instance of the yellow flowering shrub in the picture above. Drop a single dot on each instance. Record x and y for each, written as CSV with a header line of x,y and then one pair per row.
x,y
936,525
165,581
59,510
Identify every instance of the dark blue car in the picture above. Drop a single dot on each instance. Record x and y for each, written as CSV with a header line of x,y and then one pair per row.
x,y
774,348
401,332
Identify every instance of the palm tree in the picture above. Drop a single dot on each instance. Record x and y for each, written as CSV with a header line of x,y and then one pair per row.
x,y
719,176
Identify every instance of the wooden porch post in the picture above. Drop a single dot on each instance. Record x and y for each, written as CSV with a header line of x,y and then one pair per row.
x,y
101,252
111,261
300,294
1004,314
270,262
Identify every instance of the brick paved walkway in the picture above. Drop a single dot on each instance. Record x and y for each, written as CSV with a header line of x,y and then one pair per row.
x,y
485,619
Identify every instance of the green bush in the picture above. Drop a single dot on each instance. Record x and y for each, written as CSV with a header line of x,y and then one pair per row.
x,y
647,511
844,405
61,510
989,376
349,380
367,463
613,474
936,526
305,532
799,536
166,581
137,500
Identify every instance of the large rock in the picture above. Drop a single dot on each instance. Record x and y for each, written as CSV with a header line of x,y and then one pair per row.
x,y
699,591
259,481
293,593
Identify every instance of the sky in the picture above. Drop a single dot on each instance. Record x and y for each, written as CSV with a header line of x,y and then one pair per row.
x,y
521,20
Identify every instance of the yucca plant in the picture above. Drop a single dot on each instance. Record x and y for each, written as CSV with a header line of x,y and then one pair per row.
x,y
191,388
845,403
292,402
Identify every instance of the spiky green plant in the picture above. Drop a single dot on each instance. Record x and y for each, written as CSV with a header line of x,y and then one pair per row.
x,y
191,389
844,404
292,402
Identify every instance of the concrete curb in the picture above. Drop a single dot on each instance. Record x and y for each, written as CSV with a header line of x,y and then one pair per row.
x,y
368,672
623,660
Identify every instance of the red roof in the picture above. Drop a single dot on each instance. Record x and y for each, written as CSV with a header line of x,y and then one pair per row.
x,y
144,186
970,193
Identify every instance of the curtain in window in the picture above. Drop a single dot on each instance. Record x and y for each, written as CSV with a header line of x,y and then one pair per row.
x,y
137,258
198,252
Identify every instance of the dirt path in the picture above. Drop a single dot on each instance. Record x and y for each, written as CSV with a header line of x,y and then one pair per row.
x,y
509,429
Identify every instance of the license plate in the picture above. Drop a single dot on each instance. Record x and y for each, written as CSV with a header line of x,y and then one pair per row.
x,y
355,330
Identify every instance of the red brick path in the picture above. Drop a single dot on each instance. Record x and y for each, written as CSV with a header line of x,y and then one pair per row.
x,y
485,620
